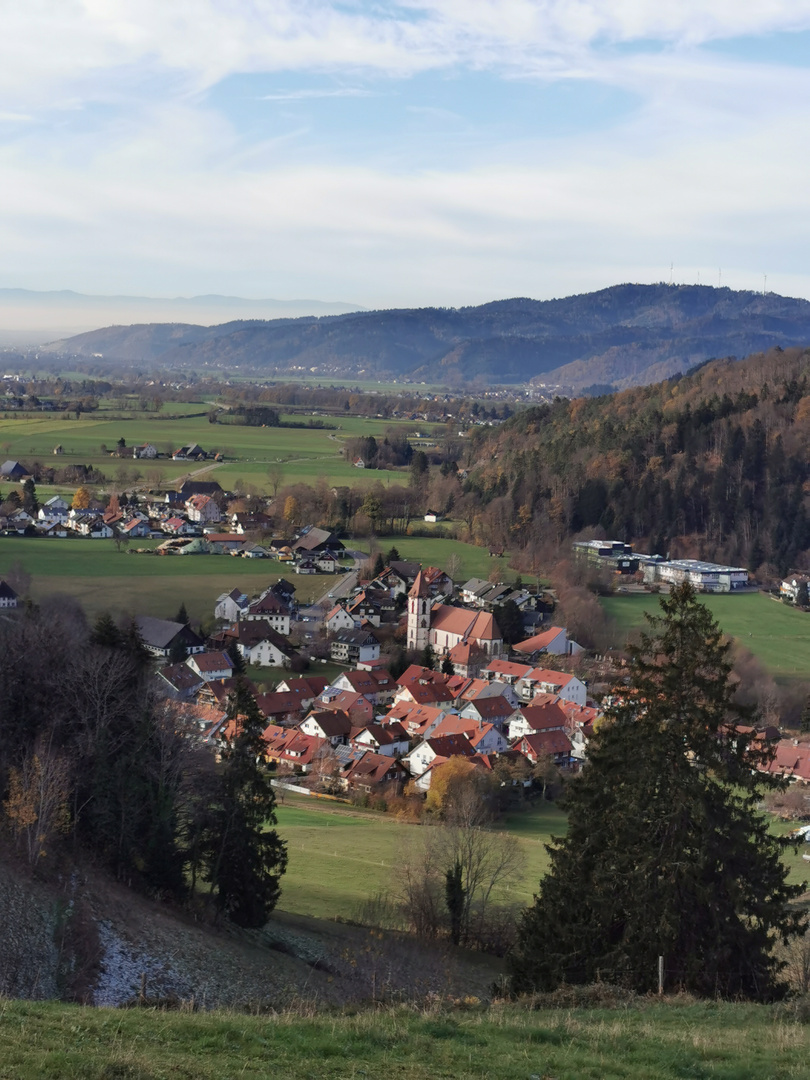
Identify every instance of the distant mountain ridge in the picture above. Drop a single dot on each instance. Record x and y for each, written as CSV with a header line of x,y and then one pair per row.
x,y
626,335
28,315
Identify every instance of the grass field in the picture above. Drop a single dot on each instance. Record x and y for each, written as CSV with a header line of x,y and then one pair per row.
x,y
779,636
303,454
645,1041
431,551
340,856
104,579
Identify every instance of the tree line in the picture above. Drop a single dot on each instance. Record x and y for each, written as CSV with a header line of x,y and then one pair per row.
x,y
94,765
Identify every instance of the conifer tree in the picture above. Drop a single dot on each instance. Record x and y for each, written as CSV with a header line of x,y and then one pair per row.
x,y
667,853
244,858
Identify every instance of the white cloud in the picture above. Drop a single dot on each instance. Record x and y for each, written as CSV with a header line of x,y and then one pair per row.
x,y
161,194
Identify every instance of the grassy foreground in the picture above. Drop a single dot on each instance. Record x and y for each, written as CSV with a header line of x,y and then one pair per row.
x,y
658,1041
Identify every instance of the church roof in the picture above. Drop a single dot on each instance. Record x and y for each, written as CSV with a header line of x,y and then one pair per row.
x,y
419,589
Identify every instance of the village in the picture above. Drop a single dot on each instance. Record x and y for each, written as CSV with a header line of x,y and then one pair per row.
x,y
371,733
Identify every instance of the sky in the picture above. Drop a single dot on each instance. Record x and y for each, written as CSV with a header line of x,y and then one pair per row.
x,y
412,153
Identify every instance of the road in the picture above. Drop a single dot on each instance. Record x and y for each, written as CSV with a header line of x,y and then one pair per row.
x,y
340,588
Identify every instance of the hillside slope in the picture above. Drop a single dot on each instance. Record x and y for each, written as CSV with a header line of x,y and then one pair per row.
x,y
622,336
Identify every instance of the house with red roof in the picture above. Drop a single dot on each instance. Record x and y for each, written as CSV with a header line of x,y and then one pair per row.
x,y
211,665
375,684
545,716
555,744
545,681
370,772
554,641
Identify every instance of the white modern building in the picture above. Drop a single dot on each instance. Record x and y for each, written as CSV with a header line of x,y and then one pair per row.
x,y
703,576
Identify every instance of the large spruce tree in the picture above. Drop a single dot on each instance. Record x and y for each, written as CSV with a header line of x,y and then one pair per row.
x,y
243,857
667,853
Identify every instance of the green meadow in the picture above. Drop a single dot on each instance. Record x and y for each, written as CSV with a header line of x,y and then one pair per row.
x,y
435,551
639,1039
104,579
340,856
302,455
778,635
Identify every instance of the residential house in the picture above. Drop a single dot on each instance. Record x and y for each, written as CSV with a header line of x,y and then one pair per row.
x,y
193,452
54,509
261,645
291,747
388,739
328,724
554,641
145,451
306,688
135,528
351,646
791,587
202,509
375,685
13,471
546,715
356,706
339,619
419,721
426,752
211,665
555,744
498,711
178,682
8,597
232,606
161,636
313,541
546,681
270,608
282,707
370,772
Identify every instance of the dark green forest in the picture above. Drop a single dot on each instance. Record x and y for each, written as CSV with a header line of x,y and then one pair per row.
x,y
713,464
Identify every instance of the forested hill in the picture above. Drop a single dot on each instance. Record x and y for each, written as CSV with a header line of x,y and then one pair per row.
x,y
627,335
713,464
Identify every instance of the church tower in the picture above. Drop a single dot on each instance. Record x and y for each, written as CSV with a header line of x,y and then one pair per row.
x,y
418,614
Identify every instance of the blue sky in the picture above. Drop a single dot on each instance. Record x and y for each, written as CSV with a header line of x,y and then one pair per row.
x,y
397,154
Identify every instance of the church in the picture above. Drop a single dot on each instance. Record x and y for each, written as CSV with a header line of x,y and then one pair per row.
x,y
445,627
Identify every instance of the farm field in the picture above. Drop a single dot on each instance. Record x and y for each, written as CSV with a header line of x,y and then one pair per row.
x,y
779,636
303,454
665,1040
435,551
340,856
104,579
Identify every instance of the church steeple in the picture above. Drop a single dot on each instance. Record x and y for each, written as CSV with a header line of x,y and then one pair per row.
x,y
419,614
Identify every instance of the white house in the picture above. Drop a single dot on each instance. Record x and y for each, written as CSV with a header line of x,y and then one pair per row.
x,y
211,665
231,606
202,508
545,681
789,589
339,619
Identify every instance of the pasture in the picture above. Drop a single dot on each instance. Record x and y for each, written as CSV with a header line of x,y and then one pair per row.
x,y
436,551
104,579
340,856
300,455
777,635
